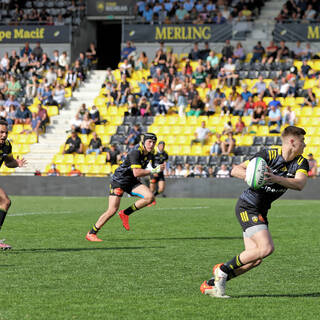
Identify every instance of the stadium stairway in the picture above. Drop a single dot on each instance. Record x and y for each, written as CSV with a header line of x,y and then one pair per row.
x,y
264,25
49,143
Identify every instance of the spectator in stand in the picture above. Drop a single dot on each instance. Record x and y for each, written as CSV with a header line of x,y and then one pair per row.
x,y
134,135
195,53
95,144
257,117
216,147
223,172
73,144
11,116
82,110
59,95
274,88
64,60
260,87
142,62
245,93
180,171
84,61
258,52
271,52
305,70
35,125
274,117
43,116
227,51
79,71
202,134
283,52
239,53
200,76
95,115
164,105
91,54
70,79
144,107
3,112
181,14
74,172
5,63
3,86
213,59
46,96
13,86
196,106
51,76
284,87
310,14
85,126
37,51
113,155
238,105
55,58
199,172
59,20
53,170
289,117
14,62
240,126
182,101
249,107
75,123
11,101
123,90
26,49
127,50
32,87
23,115
228,145
312,173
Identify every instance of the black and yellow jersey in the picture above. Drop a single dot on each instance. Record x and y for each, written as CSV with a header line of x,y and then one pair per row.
x,y
5,151
160,157
264,196
134,159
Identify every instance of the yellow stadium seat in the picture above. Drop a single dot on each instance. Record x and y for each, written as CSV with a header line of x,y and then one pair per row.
x,y
27,127
112,111
306,112
214,121
21,138
310,131
160,120
188,130
85,139
68,159
171,140
289,101
117,120
100,129
31,138
183,140
64,168
52,111
263,131
181,121
25,148
110,130
304,121
192,121
68,92
202,118
172,120
93,170
185,150
175,150
58,158
196,150
4,170
165,130
84,168
105,139
316,112
90,159
105,170
206,150
155,129
114,167
101,159
176,130
17,128
246,120
79,159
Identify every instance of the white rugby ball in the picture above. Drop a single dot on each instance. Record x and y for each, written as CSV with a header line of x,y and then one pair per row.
x,y
255,173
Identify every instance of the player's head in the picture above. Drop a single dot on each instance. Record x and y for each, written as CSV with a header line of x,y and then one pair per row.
x,y
293,137
149,141
3,131
161,145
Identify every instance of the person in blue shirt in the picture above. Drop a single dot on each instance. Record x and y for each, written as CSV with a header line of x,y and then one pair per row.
x,y
274,116
127,50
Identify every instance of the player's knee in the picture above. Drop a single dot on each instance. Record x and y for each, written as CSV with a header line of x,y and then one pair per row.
x,y
266,251
5,202
149,197
258,262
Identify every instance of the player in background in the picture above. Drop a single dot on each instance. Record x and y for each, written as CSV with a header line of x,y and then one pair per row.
x,y
160,157
126,179
286,169
6,157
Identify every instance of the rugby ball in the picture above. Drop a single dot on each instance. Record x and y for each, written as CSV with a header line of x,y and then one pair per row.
x,y
255,173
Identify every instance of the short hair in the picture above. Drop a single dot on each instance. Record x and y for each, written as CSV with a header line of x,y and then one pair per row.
x,y
3,122
293,131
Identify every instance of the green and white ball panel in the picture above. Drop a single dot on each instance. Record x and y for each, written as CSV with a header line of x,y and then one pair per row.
x,y
255,173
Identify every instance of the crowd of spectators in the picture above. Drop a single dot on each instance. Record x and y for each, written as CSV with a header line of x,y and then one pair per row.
x,y
197,12
57,13
299,11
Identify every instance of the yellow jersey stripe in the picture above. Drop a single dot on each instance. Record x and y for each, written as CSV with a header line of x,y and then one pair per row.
x,y
135,166
303,171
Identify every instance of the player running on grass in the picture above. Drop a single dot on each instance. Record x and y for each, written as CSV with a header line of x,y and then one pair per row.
x,y
287,169
10,162
126,179
160,157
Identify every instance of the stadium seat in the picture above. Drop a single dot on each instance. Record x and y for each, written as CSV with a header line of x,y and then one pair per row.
x,y
52,111
90,159
79,159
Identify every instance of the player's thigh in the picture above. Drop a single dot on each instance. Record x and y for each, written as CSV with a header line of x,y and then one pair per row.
x,y
4,199
264,241
142,191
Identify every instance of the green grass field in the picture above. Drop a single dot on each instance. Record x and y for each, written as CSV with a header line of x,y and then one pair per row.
x,y
153,271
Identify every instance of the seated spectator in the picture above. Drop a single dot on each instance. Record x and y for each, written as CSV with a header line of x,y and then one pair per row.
x,y
227,128
213,59
284,87
180,171
238,105
13,87
196,106
35,125
82,110
26,49
85,126
216,147
181,14
305,70
312,173
53,171
227,51
199,172
95,144
231,75
210,173
260,87
188,171
59,95
126,68
113,155
43,116
11,101
144,107
239,53
73,144
11,116
95,115
283,51
75,123
5,63
32,87
51,76
64,60
3,85
45,62
164,105
46,97
223,172
74,172
23,115
240,126
91,54
127,50
70,79
202,134
195,53
134,135
3,112
228,145
14,62
257,117
274,116
258,52
249,107
37,50
144,88
271,52
289,117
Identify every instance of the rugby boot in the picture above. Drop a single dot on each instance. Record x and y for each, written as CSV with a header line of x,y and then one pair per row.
x,y
4,246
153,203
206,289
92,237
220,279
125,219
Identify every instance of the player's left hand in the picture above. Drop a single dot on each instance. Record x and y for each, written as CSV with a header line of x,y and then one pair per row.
x,y
162,166
21,162
269,177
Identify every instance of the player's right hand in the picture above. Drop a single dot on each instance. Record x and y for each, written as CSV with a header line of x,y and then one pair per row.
x,y
162,166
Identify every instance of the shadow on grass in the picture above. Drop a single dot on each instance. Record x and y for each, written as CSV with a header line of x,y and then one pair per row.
x,y
32,250
302,295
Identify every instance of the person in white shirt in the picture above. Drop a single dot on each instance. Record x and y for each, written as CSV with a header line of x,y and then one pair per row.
x,y
180,171
202,134
289,117
64,59
51,76
223,172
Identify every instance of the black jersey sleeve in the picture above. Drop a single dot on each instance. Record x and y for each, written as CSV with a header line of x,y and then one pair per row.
x,y
8,149
166,157
262,154
303,165
135,159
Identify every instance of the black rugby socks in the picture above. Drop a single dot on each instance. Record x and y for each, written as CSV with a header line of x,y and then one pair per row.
x,y
3,214
130,210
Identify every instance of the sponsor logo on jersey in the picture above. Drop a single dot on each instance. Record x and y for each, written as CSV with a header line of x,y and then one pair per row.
x,y
255,219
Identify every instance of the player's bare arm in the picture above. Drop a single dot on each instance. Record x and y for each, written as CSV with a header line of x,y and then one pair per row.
x,y
296,183
14,163
239,171
138,172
